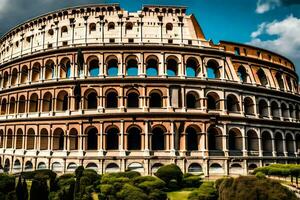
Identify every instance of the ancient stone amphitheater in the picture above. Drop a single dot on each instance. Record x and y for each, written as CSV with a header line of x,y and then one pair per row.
x,y
112,90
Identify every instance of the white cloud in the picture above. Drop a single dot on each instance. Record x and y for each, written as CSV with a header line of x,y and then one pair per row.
x,y
287,40
263,6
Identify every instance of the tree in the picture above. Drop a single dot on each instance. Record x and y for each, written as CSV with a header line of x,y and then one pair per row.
x,y
19,189
25,190
171,174
39,189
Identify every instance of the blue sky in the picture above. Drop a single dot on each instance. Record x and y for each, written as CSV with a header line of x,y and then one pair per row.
x,y
271,24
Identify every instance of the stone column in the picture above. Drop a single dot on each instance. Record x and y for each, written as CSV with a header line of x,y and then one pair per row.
x,y
172,135
120,23
146,149
100,140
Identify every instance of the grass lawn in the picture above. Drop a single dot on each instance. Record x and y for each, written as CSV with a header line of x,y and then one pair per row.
x,y
179,195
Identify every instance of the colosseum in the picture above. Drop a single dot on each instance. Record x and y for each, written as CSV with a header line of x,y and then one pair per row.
x,y
114,90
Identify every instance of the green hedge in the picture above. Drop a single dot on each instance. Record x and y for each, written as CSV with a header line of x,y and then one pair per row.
x,y
206,191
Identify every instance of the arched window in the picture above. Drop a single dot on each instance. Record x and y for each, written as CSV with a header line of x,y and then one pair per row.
x,y
112,99
279,144
285,111
192,68
112,67
232,103
24,75
12,104
214,139
112,139
36,72
9,139
134,138
292,111
47,102
14,77
267,143
279,80
5,80
58,139
128,27
22,103
289,83
158,138
192,100
192,139
248,106
91,100
33,103
94,67
235,140
213,70
62,101
169,27
49,70
289,140
65,68
1,139
73,137
92,27
92,139
110,26
297,142
172,67
213,101
132,67
262,77
133,99
19,142
64,30
252,141
44,139
152,67
3,107
30,139
242,74
275,111
263,108
155,100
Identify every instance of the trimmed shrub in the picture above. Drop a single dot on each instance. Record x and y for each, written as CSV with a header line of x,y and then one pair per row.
x,y
39,189
148,186
192,181
252,188
260,175
7,186
130,192
206,191
168,173
157,195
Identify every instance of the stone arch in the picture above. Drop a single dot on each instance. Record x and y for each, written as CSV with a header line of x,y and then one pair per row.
x,y
33,103
131,66
30,139
285,110
279,143
136,166
111,168
5,80
252,140
216,168
6,165
155,167
155,100
275,110
57,167
289,140
14,76
235,140
195,168
47,102
111,26
263,109
28,166
44,139
192,67
133,97
248,106
1,140
9,139
172,66
3,106
242,74
267,143
12,104
36,69
62,101
49,69
65,68
112,66
71,167
214,138
236,168
92,138
213,101
22,104
192,100
112,138
152,65
42,165
279,80
92,165
158,137
19,139
252,166
73,139
58,139
17,166
93,66
134,137
232,103
192,137
92,27
297,138
262,77
213,69
91,99
111,98
24,74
